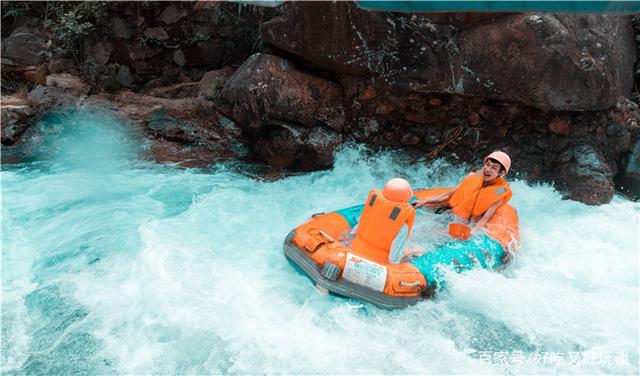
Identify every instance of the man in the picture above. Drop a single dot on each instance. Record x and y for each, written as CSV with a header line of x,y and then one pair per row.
x,y
479,194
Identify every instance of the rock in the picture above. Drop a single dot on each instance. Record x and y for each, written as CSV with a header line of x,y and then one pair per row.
x,y
137,53
98,52
318,150
287,146
124,77
435,101
633,166
35,75
178,58
559,126
348,34
584,172
22,47
172,14
207,54
16,114
60,65
212,82
366,129
181,90
415,117
628,183
188,131
45,97
433,136
628,180
267,88
560,52
410,139
624,111
572,62
473,119
384,108
280,146
485,112
68,82
166,151
120,28
368,94
543,144
157,33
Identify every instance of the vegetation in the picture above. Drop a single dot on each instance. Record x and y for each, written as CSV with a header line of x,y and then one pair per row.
x,y
66,22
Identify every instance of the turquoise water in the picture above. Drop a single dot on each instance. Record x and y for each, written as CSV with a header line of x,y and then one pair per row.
x,y
112,265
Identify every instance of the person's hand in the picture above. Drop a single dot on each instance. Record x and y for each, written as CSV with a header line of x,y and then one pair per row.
x,y
413,251
476,230
418,204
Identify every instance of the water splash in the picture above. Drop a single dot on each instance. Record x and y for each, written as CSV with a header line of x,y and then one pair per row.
x,y
130,268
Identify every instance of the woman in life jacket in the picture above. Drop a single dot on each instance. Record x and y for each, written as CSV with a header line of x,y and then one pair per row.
x,y
479,194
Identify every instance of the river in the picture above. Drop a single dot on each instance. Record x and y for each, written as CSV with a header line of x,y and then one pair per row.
x,y
115,265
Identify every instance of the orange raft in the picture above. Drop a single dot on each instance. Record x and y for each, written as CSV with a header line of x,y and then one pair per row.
x,y
368,276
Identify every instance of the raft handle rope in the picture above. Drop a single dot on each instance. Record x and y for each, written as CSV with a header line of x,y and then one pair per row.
x,y
317,214
326,236
414,284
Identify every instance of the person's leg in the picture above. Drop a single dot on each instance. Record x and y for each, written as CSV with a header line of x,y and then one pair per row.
x,y
459,255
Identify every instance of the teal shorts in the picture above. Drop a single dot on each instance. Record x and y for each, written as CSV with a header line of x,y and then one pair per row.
x,y
459,255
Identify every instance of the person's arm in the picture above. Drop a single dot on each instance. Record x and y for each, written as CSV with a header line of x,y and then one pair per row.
x,y
486,216
396,253
436,200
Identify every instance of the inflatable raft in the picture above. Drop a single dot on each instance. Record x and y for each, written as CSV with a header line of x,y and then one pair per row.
x,y
364,273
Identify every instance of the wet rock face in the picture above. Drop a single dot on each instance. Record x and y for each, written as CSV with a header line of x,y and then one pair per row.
x,y
68,82
189,132
585,173
293,147
293,118
212,82
16,118
22,47
549,89
552,62
269,89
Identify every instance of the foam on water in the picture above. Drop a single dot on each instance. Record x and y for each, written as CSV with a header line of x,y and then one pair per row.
x,y
110,265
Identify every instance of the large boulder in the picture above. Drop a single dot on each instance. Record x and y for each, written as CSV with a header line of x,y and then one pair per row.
x,y
172,14
555,62
16,118
68,82
189,132
212,82
97,52
629,182
208,54
585,175
286,146
23,47
269,89
552,62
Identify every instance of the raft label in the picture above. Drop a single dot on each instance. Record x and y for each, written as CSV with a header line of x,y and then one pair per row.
x,y
364,272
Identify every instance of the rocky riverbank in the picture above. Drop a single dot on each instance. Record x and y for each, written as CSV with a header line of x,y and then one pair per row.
x,y
205,82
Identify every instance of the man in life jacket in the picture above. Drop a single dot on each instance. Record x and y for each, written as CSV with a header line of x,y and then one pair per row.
x,y
479,194
386,222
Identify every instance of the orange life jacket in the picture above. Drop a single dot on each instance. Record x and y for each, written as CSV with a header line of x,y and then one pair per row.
x,y
380,221
471,200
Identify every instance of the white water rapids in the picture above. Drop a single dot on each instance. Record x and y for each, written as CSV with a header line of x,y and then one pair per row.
x,y
112,265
